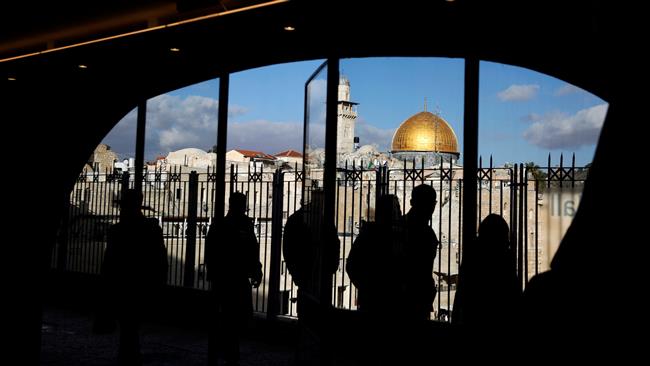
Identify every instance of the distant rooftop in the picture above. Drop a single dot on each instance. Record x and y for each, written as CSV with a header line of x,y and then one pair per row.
x,y
288,154
255,154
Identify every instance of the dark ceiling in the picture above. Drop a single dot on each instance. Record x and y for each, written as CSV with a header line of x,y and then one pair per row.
x,y
549,36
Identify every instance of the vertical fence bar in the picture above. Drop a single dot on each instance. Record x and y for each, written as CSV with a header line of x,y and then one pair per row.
x,y
480,188
514,184
449,245
276,245
265,288
536,227
573,171
190,231
524,224
561,170
460,223
440,243
520,226
490,181
345,222
354,183
501,198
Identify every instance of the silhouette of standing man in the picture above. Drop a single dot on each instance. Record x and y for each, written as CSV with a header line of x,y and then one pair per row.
x,y
134,270
419,253
488,292
311,250
371,257
300,247
415,270
232,260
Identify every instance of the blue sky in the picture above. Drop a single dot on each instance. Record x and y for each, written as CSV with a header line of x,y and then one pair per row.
x,y
523,114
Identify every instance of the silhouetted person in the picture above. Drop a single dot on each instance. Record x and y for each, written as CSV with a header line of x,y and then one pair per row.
x,y
311,250
134,270
403,276
300,248
233,268
488,293
419,251
415,270
371,264
372,256
297,248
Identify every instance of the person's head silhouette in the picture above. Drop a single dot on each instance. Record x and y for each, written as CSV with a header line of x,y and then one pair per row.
x,y
131,203
388,210
494,231
237,204
423,201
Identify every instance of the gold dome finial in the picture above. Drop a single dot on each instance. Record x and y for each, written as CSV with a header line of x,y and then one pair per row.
x,y
425,104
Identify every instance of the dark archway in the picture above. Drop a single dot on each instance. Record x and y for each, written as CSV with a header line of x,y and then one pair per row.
x,y
61,111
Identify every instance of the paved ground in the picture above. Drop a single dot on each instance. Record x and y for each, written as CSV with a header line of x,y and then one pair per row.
x,y
67,340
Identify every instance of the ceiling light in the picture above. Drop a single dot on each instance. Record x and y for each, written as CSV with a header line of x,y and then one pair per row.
x,y
11,78
289,28
82,66
174,49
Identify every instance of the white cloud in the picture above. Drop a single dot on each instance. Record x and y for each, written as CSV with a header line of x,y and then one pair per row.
x,y
372,135
518,92
172,138
173,123
557,130
267,136
566,89
121,138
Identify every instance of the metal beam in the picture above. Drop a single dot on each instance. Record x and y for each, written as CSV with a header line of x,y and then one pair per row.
x,y
470,148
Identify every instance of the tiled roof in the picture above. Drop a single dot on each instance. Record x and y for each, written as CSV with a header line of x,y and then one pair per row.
x,y
255,154
289,154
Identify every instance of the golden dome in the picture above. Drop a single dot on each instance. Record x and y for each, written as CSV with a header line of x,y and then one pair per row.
x,y
425,132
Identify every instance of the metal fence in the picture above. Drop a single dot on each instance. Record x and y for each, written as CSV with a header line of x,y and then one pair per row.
x,y
530,198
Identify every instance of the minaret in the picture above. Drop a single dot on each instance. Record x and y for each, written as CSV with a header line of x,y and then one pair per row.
x,y
346,116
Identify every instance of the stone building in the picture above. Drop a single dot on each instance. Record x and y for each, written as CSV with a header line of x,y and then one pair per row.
x,y
102,159
191,158
290,157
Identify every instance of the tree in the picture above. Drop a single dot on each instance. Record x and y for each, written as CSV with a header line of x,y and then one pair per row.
x,y
536,172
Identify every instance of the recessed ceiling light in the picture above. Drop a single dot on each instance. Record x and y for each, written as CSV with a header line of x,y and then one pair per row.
x,y
11,78
289,28
174,49
82,66
450,1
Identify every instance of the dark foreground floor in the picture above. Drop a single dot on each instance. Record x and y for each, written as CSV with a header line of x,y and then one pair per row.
x,y
67,340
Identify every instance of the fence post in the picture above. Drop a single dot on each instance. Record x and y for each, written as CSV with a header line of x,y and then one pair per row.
x,y
190,231
233,178
381,182
276,245
521,229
